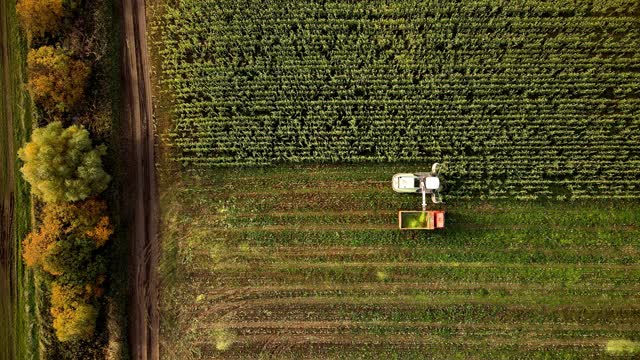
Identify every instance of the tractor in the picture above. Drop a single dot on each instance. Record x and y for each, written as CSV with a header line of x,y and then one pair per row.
x,y
420,183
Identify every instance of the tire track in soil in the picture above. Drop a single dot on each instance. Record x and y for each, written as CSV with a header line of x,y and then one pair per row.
x,y
8,285
373,226
403,301
305,264
350,324
334,308
408,340
140,185
385,251
222,295
307,228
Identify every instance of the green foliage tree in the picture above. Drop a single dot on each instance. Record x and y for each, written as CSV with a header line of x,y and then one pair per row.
x,y
75,261
56,80
62,164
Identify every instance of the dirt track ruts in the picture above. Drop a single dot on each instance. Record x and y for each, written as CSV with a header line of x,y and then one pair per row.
x,y
139,186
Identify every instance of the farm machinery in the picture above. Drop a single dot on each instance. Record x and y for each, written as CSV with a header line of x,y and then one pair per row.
x,y
424,183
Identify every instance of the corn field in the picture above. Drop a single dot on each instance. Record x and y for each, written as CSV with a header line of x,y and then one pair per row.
x,y
524,98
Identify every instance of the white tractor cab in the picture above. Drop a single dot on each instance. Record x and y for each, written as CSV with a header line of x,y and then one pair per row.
x,y
420,183
423,182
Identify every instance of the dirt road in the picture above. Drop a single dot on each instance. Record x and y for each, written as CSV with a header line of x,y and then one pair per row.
x,y
8,286
139,193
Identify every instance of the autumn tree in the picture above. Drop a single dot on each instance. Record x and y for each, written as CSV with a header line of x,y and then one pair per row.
x,y
67,246
88,217
40,17
66,241
36,246
56,80
74,316
62,164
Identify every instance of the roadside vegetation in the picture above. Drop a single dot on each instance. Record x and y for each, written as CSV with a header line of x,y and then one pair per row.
x,y
67,251
73,80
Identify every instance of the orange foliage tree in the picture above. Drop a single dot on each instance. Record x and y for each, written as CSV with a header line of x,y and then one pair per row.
x,y
36,245
87,217
40,17
56,80
60,221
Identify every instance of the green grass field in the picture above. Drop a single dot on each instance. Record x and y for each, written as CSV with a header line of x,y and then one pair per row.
x,y
307,261
18,333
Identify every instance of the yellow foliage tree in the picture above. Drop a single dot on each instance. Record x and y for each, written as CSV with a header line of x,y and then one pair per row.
x,y
61,164
40,17
56,80
73,317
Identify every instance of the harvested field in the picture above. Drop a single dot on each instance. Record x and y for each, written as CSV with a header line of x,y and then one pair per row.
x,y
249,271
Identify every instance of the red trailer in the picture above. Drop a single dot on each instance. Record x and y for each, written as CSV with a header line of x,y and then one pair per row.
x,y
420,220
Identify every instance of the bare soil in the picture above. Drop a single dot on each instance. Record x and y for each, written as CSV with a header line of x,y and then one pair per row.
x,y
139,189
